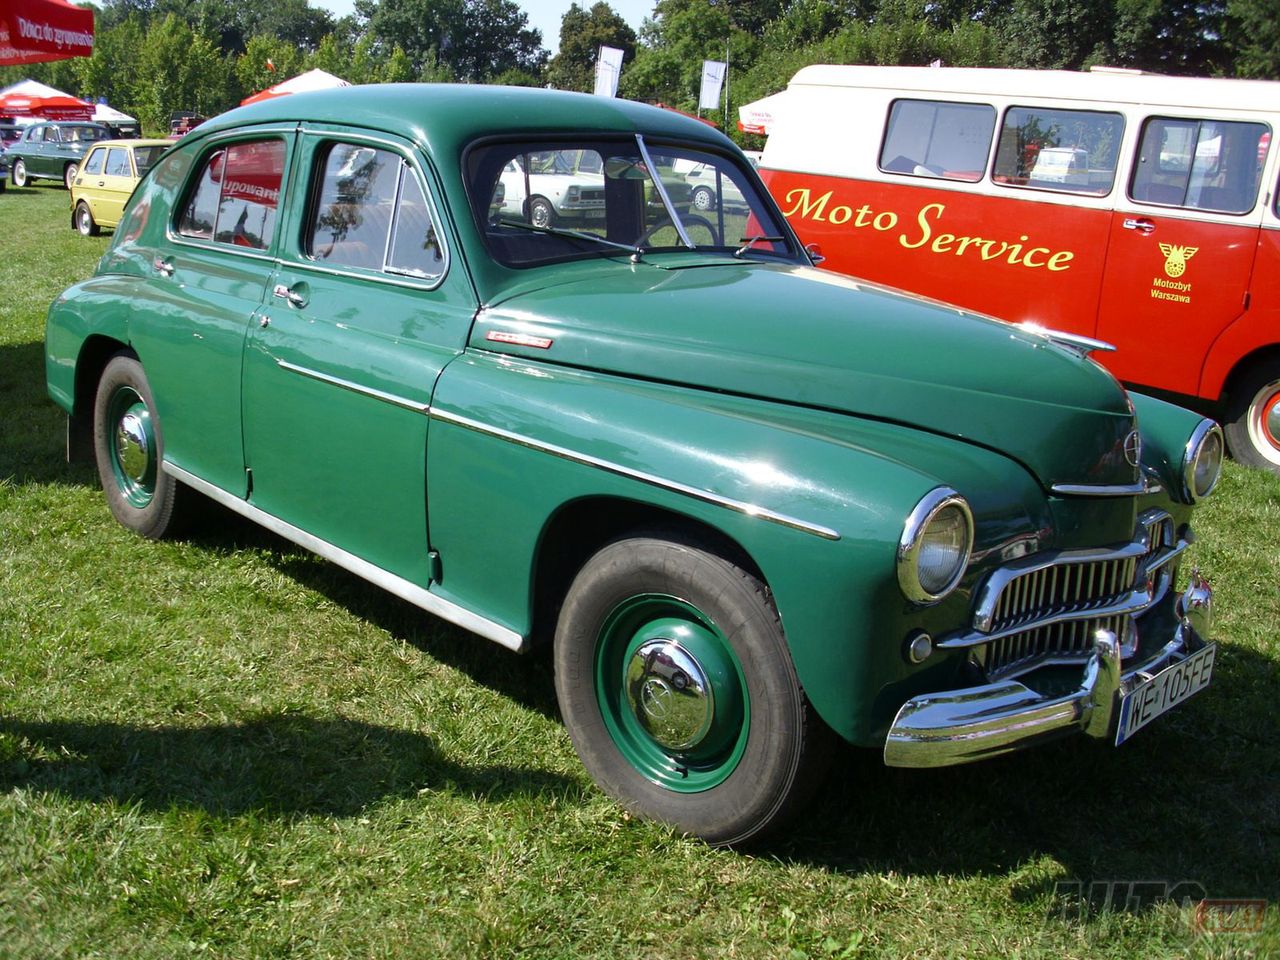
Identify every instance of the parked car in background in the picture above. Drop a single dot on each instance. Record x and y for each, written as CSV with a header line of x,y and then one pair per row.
x,y
552,186
52,150
182,123
707,187
9,132
749,503
105,181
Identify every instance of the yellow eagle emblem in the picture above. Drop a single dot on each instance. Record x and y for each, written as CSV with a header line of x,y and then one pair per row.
x,y
1175,258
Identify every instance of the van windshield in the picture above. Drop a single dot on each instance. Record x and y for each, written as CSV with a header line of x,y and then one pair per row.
x,y
540,202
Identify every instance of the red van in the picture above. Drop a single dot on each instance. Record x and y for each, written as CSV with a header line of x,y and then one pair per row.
x,y
1134,209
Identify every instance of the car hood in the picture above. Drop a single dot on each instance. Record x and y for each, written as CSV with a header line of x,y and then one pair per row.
x,y
801,336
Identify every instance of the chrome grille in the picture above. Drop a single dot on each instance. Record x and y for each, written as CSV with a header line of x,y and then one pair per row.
x,y
1048,607
1068,639
1062,588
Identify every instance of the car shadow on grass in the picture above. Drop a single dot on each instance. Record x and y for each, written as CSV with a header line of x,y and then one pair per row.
x,y
33,441
276,765
1190,800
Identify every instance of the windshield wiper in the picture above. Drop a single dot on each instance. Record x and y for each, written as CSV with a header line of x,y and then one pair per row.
x,y
749,242
574,235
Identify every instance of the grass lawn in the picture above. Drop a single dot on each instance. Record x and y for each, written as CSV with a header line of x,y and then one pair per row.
x,y
225,747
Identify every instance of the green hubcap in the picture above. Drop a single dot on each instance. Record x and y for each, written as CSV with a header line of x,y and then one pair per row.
x,y
133,461
671,693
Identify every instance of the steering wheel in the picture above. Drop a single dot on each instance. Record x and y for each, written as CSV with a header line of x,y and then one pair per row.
x,y
690,220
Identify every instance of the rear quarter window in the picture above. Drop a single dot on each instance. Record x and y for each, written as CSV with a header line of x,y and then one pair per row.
x,y
938,139
234,196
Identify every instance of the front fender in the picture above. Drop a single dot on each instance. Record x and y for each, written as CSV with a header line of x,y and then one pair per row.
x,y
817,499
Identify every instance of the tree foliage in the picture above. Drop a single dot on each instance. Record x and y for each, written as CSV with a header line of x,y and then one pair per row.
x,y
582,33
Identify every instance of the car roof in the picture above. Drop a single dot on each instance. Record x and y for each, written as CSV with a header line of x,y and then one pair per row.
x,y
136,142
445,117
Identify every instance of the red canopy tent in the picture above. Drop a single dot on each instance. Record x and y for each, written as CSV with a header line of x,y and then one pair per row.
x,y
33,31
32,99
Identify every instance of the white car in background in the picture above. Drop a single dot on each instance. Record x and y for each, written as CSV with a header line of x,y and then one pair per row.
x,y
554,186
706,184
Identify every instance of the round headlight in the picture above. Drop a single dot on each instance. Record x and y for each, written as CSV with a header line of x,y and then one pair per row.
x,y
1202,461
935,545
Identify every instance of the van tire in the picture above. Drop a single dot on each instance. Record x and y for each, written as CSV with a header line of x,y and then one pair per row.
x,y
1253,416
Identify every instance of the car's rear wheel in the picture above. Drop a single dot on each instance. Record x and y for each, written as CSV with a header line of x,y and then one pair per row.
x,y
19,173
69,174
85,223
1253,417
128,446
677,688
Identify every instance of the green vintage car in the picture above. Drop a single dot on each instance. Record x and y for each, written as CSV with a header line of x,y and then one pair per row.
x,y
751,504
53,151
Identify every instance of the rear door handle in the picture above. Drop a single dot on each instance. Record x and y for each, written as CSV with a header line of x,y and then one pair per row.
x,y
163,265
1141,224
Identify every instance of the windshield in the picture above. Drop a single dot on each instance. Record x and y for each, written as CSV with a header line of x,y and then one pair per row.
x,y
541,203
144,157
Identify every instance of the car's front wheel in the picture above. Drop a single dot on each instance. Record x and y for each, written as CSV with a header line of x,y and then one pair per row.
x,y
541,213
677,688
19,173
128,445
69,174
85,223
703,198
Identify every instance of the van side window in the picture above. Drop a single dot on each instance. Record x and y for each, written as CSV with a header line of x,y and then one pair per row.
x,y
1073,150
371,213
929,138
1213,165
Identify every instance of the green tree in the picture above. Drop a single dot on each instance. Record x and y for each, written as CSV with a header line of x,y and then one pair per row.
x,y
112,71
1254,35
266,62
179,70
494,36
582,33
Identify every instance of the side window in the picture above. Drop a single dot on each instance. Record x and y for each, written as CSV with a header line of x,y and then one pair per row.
x,y
117,162
371,213
51,134
236,196
1212,165
1073,150
928,138
93,165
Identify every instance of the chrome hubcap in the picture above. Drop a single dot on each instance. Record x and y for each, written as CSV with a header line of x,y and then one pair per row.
x,y
670,694
1271,420
133,451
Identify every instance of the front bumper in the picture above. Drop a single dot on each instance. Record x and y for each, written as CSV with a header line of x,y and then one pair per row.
x,y
960,726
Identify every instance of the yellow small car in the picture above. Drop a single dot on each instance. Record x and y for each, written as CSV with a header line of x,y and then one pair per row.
x,y
106,179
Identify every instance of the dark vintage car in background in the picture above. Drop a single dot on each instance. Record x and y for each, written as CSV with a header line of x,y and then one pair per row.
x,y
52,150
750,503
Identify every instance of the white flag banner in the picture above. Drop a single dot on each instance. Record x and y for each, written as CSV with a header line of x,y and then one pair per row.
x,y
608,67
712,81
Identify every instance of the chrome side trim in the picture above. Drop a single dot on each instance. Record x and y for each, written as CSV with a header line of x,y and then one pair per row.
x,y
404,589
706,496
1103,489
382,395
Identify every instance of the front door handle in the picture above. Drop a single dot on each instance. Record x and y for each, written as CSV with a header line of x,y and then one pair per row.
x,y
1141,224
297,298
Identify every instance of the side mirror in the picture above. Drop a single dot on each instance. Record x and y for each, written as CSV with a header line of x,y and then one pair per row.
x,y
815,253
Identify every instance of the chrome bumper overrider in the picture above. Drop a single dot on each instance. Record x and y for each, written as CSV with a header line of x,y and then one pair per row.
x,y
959,726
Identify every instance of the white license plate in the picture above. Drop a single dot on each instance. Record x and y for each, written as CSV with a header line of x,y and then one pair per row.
x,y
1164,691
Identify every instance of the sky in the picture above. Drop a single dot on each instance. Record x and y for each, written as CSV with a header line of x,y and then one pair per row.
x,y
544,15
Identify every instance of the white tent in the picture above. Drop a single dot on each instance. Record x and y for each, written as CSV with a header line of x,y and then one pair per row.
x,y
759,115
303,82
33,88
105,114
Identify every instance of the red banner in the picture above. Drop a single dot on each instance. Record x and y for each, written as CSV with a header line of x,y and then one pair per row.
x,y
33,31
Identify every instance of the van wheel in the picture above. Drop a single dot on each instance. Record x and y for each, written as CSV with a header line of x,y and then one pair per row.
x,y
128,445
675,683
19,173
85,223
1253,417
